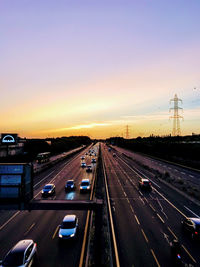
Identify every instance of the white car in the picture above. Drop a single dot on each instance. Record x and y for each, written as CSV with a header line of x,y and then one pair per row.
x,y
23,254
68,228
85,186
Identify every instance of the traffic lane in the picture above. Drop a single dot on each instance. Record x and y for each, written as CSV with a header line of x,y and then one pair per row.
x,y
163,166
184,204
24,224
150,225
132,246
41,226
167,214
67,171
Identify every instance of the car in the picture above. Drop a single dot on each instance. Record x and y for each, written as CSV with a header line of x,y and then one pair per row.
x,y
48,190
192,227
109,149
86,153
68,228
88,168
85,186
145,184
24,253
82,157
114,155
83,164
93,160
70,185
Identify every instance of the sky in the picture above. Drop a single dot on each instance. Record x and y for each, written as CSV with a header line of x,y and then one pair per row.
x,y
93,67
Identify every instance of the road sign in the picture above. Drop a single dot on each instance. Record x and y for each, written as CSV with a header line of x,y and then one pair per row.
x,y
9,139
16,182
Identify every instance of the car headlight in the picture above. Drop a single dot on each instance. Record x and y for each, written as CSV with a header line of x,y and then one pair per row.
x,y
72,235
50,192
60,235
88,187
72,186
81,187
42,191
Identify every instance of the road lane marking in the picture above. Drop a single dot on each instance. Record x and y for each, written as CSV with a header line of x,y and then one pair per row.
x,y
189,254
183,172
14,215
170,203
191,176
145,237
55,232
155,189
160,218
152,207
43,179
137,220
111,224
132,208
172,233
155,257
29,229
142,200
192,212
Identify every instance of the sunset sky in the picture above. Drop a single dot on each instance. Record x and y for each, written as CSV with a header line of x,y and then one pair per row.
x,y
90,67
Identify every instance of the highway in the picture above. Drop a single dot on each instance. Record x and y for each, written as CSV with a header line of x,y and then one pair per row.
x,y
42,226
145,222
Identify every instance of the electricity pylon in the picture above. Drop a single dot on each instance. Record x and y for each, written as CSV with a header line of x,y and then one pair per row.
x,y
176,122
127,132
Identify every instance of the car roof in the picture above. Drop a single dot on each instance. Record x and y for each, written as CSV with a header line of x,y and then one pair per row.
x,y
195,220
49,184
85,180
70,180
22,245
145,180
69,218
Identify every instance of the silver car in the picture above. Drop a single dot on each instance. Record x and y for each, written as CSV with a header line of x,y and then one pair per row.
x,y
23,254
68,228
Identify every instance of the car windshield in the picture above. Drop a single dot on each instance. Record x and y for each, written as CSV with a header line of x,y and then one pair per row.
x,y
85,184
70,183
68,225
48,187
14,259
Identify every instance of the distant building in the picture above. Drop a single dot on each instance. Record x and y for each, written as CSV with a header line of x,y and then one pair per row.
x,y
12,149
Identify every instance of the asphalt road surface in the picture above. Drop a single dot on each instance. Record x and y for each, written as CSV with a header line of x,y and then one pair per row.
x,y
145,222
42,226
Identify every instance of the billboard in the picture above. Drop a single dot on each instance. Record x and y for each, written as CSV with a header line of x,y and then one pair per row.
x,y
8,139
16,182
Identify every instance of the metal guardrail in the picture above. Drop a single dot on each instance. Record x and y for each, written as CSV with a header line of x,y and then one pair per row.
x,y
113,237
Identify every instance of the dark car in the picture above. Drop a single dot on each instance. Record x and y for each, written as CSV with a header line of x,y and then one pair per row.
x,y
70,185
145,184
93,160
88,168
48,190
22,254
192,227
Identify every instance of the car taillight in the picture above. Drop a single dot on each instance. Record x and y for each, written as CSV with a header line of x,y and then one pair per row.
x,y
196,233
149,183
